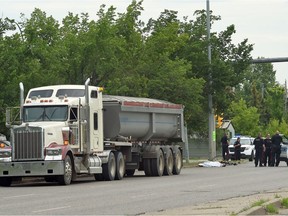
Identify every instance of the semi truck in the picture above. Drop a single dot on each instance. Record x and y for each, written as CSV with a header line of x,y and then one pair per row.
x,y
61,132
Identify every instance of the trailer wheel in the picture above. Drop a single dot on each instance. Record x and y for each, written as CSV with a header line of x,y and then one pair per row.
x,y
67,177
169,163
130,172
109,168
147,166
157,164
120,166
5,181
177,162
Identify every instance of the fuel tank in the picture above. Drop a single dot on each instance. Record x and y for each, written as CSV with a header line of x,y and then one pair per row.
x,y
142,119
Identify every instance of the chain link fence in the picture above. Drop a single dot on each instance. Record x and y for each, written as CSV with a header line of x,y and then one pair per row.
x,y
199,148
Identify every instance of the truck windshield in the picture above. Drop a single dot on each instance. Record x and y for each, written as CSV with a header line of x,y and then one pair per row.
x,y
45,113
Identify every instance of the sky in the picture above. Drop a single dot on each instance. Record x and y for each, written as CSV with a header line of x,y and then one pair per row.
x,y
263,22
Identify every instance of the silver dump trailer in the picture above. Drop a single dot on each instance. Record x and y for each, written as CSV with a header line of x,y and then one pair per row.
x,y
155,127
142,119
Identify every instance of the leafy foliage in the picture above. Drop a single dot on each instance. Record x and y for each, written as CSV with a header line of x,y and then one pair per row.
x,y
165,59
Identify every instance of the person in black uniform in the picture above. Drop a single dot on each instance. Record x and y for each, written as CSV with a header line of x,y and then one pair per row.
x,y
259,146
237,149
267,151
225,149
276,149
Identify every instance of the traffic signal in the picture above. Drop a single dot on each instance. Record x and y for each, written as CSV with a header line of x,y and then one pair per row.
x,y
219,121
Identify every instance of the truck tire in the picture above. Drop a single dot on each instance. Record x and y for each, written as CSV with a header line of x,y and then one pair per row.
x,y
169,163
109,168
177,162
5,181
68,170
147,166
157,164
120,166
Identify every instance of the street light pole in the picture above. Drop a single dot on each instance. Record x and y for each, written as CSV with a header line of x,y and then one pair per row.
x,y
212,133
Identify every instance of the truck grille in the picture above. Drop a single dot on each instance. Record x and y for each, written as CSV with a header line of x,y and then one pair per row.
x,y
28,144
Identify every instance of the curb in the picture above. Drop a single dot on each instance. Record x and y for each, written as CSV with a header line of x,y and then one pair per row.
x,y
260,210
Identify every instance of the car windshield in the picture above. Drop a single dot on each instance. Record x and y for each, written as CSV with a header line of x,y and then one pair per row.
x,y
45,113
243,141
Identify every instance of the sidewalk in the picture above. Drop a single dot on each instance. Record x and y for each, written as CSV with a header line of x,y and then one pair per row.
x,y
235,206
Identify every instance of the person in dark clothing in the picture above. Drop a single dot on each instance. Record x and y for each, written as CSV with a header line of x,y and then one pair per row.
x,y
276,149
259,146
237,149
267,151
225,149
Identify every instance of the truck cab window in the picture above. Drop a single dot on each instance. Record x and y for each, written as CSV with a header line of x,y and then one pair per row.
x,y
94,94
73,114
95,121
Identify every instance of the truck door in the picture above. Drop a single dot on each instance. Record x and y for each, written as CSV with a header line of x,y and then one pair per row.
x,y
96,126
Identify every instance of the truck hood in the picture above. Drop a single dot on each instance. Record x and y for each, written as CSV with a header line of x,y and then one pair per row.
x,y
46,124
52,131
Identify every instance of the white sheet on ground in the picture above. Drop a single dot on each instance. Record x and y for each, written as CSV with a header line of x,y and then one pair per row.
x,y
211,164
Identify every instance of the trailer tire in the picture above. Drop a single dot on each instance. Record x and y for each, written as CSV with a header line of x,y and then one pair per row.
x,y
147,166
120,166
68,170
169,163
177,162
5,181
109,168
157,164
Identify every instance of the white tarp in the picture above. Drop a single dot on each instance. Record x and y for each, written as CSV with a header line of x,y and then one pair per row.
x,y
211,164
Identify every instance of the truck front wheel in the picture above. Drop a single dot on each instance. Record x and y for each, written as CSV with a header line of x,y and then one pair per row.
x,y
67,177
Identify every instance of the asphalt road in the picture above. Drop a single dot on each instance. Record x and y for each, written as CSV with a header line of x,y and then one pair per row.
x,y
140,194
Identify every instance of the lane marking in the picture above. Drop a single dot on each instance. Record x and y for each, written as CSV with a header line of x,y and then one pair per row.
x,y
18,196
51,209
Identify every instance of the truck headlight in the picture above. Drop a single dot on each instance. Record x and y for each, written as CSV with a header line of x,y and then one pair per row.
x,y
5,155
53,154
53,151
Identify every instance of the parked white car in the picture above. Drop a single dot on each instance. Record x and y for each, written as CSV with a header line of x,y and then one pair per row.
x,y
247,147
284,149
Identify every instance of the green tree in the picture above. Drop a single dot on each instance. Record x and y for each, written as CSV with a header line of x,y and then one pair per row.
x,y
245,119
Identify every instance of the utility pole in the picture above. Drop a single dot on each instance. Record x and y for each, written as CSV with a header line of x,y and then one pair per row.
x,y
212,132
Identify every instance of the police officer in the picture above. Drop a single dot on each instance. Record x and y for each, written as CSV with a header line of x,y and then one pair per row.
x,y
267,151
225,149
237,149
276,149
259,146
